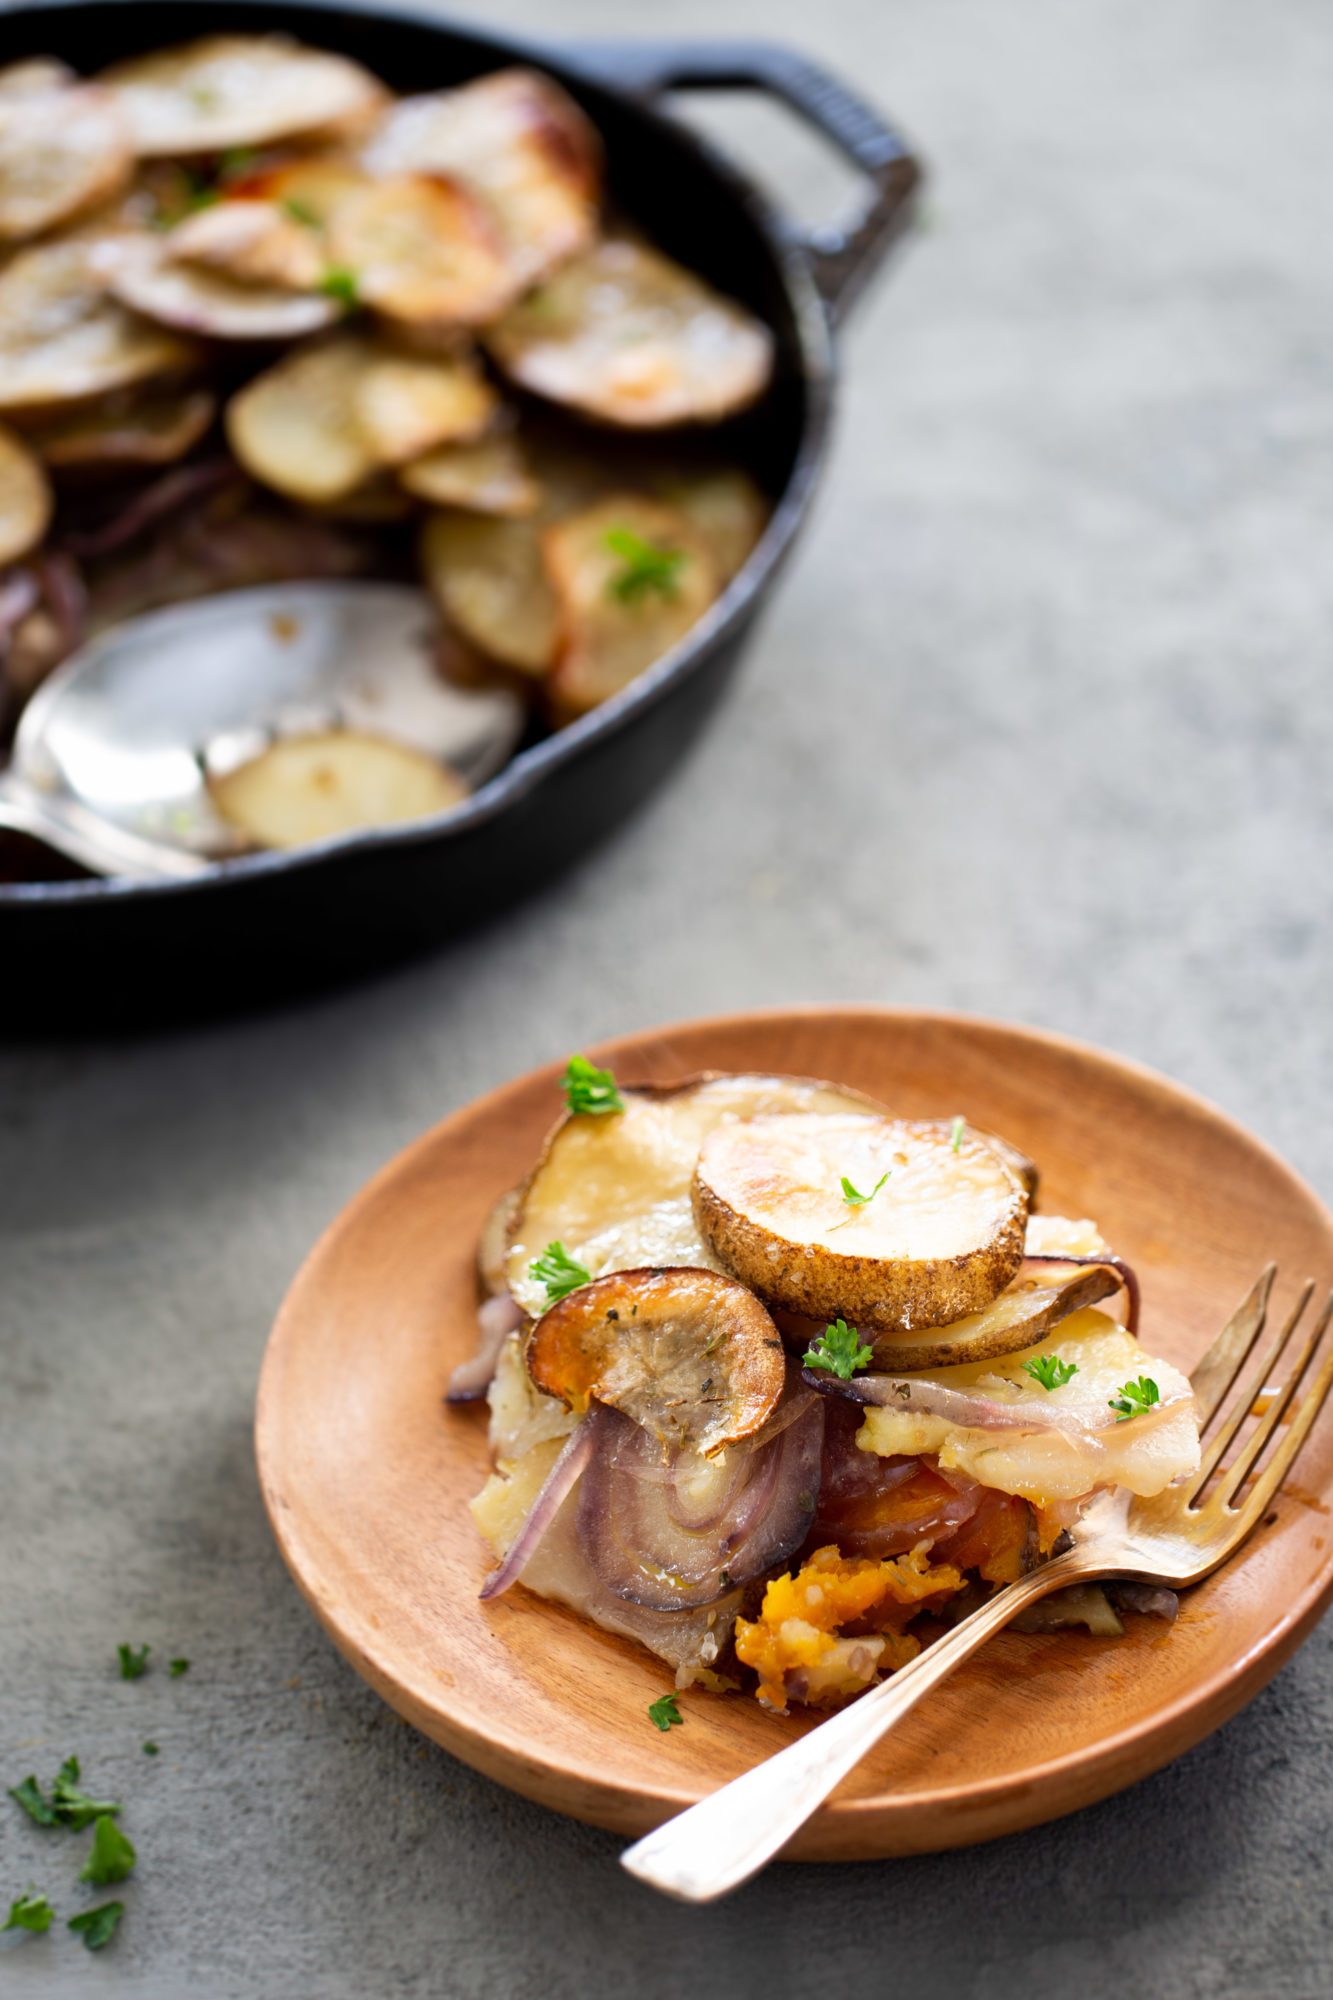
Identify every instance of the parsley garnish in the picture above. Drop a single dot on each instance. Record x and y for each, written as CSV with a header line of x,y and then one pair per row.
x,y
340,283
111,1856
299,211
855,1200
838,1349
558,1271
1135,1398
236,163
176,1668
956,1133
29,1912
133,1661
588,1088
150,1749
664,1711
98,1926
67,1805
1050,1370
647,567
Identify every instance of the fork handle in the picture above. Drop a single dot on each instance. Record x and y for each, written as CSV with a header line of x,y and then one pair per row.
x,y
716,1845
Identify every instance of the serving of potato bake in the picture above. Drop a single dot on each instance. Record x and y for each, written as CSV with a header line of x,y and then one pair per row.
x,y
780,1383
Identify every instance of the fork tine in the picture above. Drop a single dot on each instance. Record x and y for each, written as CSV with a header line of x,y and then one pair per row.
x,y
1236,1474
1241,1405
1230,1351
1273,1474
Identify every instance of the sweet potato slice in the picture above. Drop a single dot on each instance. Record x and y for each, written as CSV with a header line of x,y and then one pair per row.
x,y
61,152
25,498
488,577
517,140
491,476
152,427
624,334
228,91
422,251
631,577
692,1357
312,787
937,1235
63,337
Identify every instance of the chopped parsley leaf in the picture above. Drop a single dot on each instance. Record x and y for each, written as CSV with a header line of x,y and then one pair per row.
x,y
1050,1370
29,1912
133,1661
588,1088
340,283
176,1668
839,1349
855,1200
558,1271
646,567
664,1711
150,1749
34,1802
299,211
67,1805
1135,1398
956,1133
98,1926
111,1856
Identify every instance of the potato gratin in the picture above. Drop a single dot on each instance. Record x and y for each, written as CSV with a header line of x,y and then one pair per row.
x,y
778,1382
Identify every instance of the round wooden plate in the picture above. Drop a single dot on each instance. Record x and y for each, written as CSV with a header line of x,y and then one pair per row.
x,y
366,1474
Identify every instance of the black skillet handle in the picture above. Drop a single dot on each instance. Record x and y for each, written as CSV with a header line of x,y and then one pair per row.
x,y
843,256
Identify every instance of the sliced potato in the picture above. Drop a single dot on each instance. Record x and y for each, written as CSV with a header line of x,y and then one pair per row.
x,y
938,1234
423,251
63,337
615,1189
25,498
132,427
726,510
308,190
147,277
226,91
405,404
61,152
631,577
488,577
489,477
626,335
313,787
1028,1309
692,1357
255,242
35,76
295,428
518,140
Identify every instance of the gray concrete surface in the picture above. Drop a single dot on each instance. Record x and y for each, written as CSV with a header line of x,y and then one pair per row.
x,y
1040,725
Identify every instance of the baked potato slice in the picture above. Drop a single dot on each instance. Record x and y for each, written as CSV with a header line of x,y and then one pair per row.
x,y
487,575
64,338
726,510
148,277
253,241
520,142
691,1357
35,76
227,91
309,190
422,251
308,788
25,498
407,404
62,151
295,426
614,1189
893,1224
129,428
623,334
491,476
631,577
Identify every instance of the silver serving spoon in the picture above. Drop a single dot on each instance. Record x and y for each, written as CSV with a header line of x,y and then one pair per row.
x,y
113,753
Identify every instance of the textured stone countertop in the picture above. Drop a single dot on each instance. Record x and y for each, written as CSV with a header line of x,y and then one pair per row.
x,y
1040,725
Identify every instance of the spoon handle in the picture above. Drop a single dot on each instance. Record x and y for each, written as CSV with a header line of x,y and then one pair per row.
x,y
93,842
718,1844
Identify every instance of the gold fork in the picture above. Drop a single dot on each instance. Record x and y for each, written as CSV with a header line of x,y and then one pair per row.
x,y
1178,1538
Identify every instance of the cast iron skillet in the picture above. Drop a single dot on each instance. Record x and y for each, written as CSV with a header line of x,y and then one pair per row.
x,y
97,953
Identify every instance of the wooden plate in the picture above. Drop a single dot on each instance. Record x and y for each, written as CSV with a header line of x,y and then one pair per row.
x,y
367,1475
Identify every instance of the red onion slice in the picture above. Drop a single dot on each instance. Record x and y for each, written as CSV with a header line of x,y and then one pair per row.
x,y
920,1396
558,1484
497,1318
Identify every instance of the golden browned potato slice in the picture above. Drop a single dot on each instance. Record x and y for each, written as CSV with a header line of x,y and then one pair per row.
x,y
63,337
226,91
35,76
312,787
405,404
194,300
423,251
692,1357
624,334
488,577
295,426
614,1189
25,498
133,427
308,190
256,242
520,142
937,1234
631,577
61,152
489,477
726,509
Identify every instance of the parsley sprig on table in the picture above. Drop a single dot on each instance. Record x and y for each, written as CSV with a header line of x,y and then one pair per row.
x,y
558,1271
97,1927
111,1856
590,1089
29,1912
1050,1370
838,1349
664,1711
1135,1398
67,1805
133,1661
647,567
855,1200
